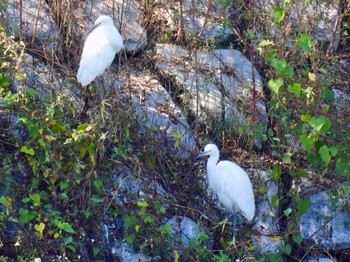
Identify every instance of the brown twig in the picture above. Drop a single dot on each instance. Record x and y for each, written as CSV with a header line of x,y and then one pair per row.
x,y
335,29
205,20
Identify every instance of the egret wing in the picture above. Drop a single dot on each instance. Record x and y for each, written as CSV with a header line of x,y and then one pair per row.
x,y
236,189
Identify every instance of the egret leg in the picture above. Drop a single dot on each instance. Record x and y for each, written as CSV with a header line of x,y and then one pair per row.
x,y
234,225
98,89
233,242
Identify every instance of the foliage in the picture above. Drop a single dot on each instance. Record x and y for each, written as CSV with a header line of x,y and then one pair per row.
x,y
54,191
55,188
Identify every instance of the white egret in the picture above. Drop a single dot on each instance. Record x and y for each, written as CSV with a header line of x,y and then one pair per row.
x,y
102,43
231,184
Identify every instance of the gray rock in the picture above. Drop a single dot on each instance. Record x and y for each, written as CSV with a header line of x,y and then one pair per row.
x,y
306,16
12,130
123,252
326,225
319,259
217,84
341,100
200,22
159,114
183,230
37,24
130,184
267,217
127,18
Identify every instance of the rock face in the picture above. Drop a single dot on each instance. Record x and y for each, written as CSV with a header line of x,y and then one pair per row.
x,y
326,225
183,230
159,114
216,84
208,86
35,22
128,20
303,16
266,218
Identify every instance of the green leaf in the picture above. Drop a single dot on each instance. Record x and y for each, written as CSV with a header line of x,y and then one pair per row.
x,y
324,153
177,136
166,229
73,248
289,71
98,185
29,151
142,203
276,173
302,173
327,94
297,238
333,150
95,251
96,200
279,64
305,43
275,84
148,219
6,201
287,212
23,215
68,240
39,228
82,127
31,92
307,142
63,185
129,220
35,199
265,43
342,165
303,205
305,118
278,14
294,89
275,200
137,227
287,158
320,124
67,228
287,249
130,238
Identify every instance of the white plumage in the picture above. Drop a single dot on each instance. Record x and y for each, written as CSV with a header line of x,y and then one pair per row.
x,y
101,45
231,184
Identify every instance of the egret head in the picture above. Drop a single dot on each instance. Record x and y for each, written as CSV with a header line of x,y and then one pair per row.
x,y
209,150
103,20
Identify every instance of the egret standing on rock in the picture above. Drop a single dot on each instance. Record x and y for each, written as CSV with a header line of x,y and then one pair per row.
x,y
102,43
231,184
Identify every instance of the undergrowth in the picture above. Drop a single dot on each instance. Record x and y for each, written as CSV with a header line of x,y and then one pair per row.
x,y
58,177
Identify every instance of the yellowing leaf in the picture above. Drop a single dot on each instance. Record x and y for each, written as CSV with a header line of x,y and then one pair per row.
x,y
50,138
275,238
272,214
39,229
312,77
176,256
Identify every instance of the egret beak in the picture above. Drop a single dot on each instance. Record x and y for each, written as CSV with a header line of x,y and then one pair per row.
x,y
88,32
205,153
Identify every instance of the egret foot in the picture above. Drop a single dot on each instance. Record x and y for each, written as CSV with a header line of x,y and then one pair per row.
x,y
233,242
222,224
